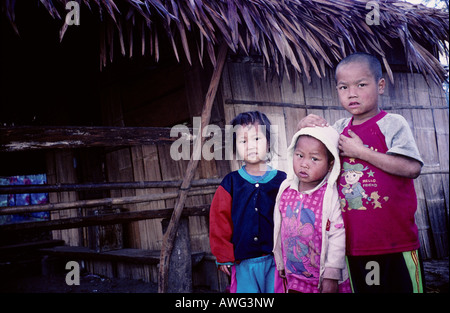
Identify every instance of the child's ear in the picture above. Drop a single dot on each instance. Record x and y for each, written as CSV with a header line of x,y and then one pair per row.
x,y
381,85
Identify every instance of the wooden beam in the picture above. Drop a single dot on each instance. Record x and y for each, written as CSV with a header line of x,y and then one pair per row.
x,y
323,107
21,138
30,246
15,189
104,219
169,235
100,202
136,256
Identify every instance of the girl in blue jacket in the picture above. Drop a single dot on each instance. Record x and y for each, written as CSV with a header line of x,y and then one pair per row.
x,y
241,214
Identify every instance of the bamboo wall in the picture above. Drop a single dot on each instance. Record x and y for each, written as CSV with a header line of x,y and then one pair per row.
x,y
60,169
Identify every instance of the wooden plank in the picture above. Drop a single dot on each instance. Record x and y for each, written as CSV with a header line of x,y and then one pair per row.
x,y
289,95
246,81
441,124
278,137
137,256
422,220
21,138
422,124
126,255
318,107
30,246
104,219
445,184
100,202
329,93
60,165
262,103
145,166
292,117
230,113
314,96
419,89
434,197
119,168
14,189
396,95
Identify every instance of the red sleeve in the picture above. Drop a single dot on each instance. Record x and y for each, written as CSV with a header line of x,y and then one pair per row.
x,y
221,226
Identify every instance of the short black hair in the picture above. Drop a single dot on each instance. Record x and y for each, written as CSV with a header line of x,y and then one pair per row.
x,y
372,61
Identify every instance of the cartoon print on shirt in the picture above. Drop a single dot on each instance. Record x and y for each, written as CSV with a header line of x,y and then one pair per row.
x,y
374,196
353,190
300,250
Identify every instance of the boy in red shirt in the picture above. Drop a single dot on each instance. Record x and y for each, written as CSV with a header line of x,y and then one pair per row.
x,y
379,160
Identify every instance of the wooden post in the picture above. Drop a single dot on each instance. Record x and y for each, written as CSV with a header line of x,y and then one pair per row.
x,y
169,235
180,264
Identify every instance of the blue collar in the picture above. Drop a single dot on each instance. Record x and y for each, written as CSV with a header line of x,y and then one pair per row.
x,y
271,173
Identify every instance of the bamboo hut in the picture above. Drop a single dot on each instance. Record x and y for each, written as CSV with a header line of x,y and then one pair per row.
x,y
98,122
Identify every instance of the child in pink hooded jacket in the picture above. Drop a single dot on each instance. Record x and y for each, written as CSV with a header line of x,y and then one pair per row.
x,y
309,234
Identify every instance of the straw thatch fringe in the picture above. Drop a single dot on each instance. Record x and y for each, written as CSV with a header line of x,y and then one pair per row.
x,y
309,35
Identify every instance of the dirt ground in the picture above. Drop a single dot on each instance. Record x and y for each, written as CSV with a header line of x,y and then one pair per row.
x,y
27,281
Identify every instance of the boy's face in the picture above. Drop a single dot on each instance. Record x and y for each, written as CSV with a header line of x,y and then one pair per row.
x,y
251,143
310,162
358,90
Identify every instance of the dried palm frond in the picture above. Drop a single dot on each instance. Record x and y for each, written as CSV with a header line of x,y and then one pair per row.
x,y
305,34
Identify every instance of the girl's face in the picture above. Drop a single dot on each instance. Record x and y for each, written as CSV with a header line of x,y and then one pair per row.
x,y
251,143
310,162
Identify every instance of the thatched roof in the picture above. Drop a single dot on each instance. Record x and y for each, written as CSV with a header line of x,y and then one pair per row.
x,y
307,34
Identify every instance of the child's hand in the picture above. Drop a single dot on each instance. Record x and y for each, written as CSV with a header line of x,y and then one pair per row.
x,y
329,286
282,273
311,120
226,269
350,146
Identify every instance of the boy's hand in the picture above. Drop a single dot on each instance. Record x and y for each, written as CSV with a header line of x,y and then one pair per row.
x,y
399,165
350,146
329,286
226,269
311,120
282,273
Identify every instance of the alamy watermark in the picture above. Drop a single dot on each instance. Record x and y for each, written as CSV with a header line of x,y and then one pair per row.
x,y
373,17
73,16
373,276
73,276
